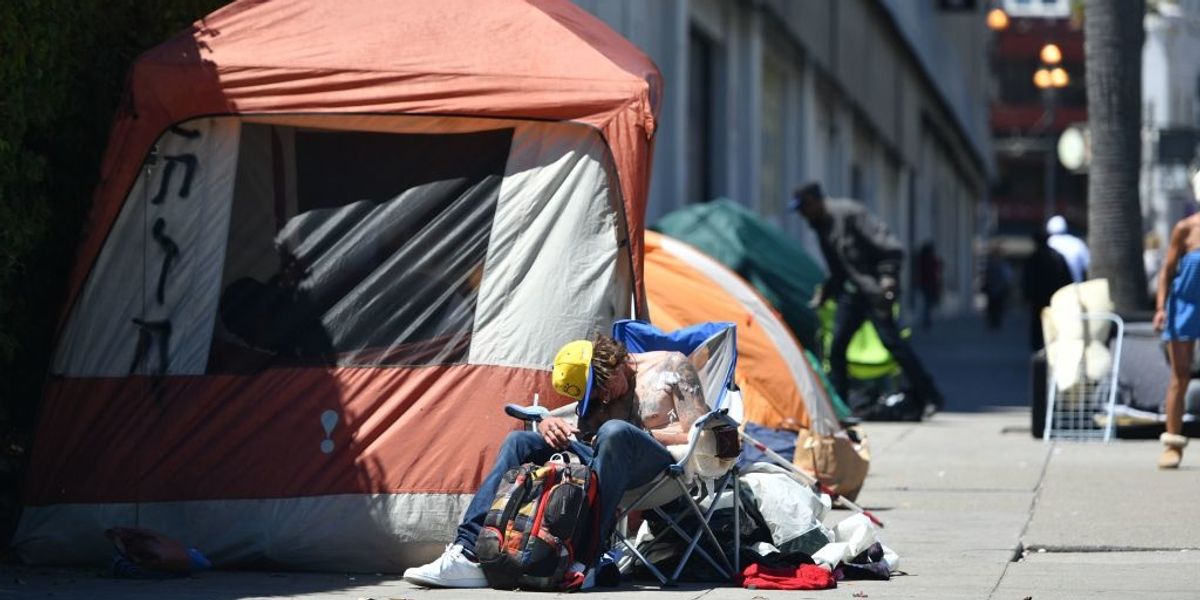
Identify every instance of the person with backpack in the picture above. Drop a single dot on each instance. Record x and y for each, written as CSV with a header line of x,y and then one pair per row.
x,y
630,407
864,260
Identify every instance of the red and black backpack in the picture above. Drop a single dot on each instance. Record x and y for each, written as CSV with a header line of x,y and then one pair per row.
x,y
543,521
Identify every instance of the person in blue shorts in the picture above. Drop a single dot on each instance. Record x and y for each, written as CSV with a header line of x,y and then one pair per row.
x,y
1178,317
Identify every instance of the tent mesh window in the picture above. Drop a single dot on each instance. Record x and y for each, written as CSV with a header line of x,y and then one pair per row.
x,y
355,248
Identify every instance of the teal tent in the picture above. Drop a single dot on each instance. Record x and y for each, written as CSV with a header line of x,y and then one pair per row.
x,y
775,264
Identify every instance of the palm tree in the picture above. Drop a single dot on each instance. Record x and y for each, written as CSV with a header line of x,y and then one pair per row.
x,y
1113,36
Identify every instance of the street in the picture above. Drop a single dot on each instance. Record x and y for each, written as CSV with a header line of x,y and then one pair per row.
x,y
974,505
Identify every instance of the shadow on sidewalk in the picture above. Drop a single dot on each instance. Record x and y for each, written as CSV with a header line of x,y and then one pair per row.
x,y
976,368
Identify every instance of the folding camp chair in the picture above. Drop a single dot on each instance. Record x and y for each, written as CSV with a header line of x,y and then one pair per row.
x,y
710,454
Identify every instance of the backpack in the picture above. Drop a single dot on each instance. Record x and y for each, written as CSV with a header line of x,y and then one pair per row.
x,y
540,524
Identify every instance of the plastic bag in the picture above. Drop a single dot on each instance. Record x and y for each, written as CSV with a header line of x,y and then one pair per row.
x,y
143,553
792,511
853,536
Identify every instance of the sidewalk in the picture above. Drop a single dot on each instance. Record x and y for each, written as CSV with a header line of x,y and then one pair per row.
x,y
975,506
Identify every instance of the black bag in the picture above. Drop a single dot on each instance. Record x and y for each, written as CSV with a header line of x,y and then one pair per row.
x,y
544,520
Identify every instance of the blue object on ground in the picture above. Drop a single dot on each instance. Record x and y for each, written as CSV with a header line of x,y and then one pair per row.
x,y
198,560
124,568
782,441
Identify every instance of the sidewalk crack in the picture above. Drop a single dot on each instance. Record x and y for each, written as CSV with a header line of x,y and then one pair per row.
x,y
899,438
1037,494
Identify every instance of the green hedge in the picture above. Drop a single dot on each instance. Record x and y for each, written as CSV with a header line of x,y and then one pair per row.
x,y
62,66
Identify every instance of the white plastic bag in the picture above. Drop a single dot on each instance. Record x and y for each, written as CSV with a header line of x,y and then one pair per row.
x,y
791,509
852,537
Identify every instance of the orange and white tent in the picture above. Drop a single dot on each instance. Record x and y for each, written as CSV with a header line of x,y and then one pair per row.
x,y
779,388
330,240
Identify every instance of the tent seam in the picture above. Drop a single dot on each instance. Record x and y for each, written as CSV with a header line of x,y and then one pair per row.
x,y
631,81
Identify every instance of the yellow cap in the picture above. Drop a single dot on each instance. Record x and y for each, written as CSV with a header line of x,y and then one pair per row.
x,y
573,369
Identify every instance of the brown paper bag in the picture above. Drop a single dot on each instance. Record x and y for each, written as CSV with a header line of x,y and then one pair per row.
x,y
837,462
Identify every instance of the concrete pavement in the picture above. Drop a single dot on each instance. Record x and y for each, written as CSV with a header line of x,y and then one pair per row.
x,y
975,506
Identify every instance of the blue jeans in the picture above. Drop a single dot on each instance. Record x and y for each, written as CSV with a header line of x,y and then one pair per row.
x,y
624,458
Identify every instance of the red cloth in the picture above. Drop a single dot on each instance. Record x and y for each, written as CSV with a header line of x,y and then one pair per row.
x,y
804,577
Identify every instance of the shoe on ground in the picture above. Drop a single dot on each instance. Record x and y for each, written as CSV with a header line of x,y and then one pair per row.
x,y
935,404
1170,458
1173,445
930,410
451,570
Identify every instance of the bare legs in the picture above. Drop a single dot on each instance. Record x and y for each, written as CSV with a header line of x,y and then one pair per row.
x,y
1181,371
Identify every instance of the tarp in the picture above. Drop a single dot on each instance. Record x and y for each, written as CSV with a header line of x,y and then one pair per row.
x,y
779,387
330,241
775,264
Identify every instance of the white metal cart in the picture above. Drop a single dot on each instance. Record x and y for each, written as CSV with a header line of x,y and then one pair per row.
x,y
1083,410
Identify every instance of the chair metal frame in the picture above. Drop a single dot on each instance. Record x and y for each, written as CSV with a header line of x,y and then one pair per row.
x,y
678,476
675,475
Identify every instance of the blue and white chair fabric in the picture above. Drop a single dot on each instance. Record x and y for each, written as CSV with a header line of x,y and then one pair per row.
x,y
705,467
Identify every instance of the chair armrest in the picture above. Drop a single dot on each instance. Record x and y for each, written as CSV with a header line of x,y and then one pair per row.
x,y
709,421
679,452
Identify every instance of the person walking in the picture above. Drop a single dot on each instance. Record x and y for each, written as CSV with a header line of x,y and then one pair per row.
x,y
864,264
928,269
1152,261
1045,272
997,281
1073,250
1177,316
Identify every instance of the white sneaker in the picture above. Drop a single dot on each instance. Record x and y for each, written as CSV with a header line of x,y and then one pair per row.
x,y
451,570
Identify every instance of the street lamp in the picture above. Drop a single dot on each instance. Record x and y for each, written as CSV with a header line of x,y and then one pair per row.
x,y
1051,54
997,19
1041,79
1050,78
1059,78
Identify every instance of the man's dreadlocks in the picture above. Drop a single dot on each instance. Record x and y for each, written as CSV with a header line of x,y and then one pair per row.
x,y
607,355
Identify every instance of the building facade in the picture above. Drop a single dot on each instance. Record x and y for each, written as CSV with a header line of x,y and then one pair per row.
x,y
1171,116
1026,121
880,100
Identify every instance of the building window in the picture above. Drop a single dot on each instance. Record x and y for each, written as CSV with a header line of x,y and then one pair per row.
x,y
857,189
701,117
1038,8
1196,102
773,128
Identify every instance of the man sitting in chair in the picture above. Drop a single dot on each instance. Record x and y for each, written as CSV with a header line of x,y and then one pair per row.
x,y
630,407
